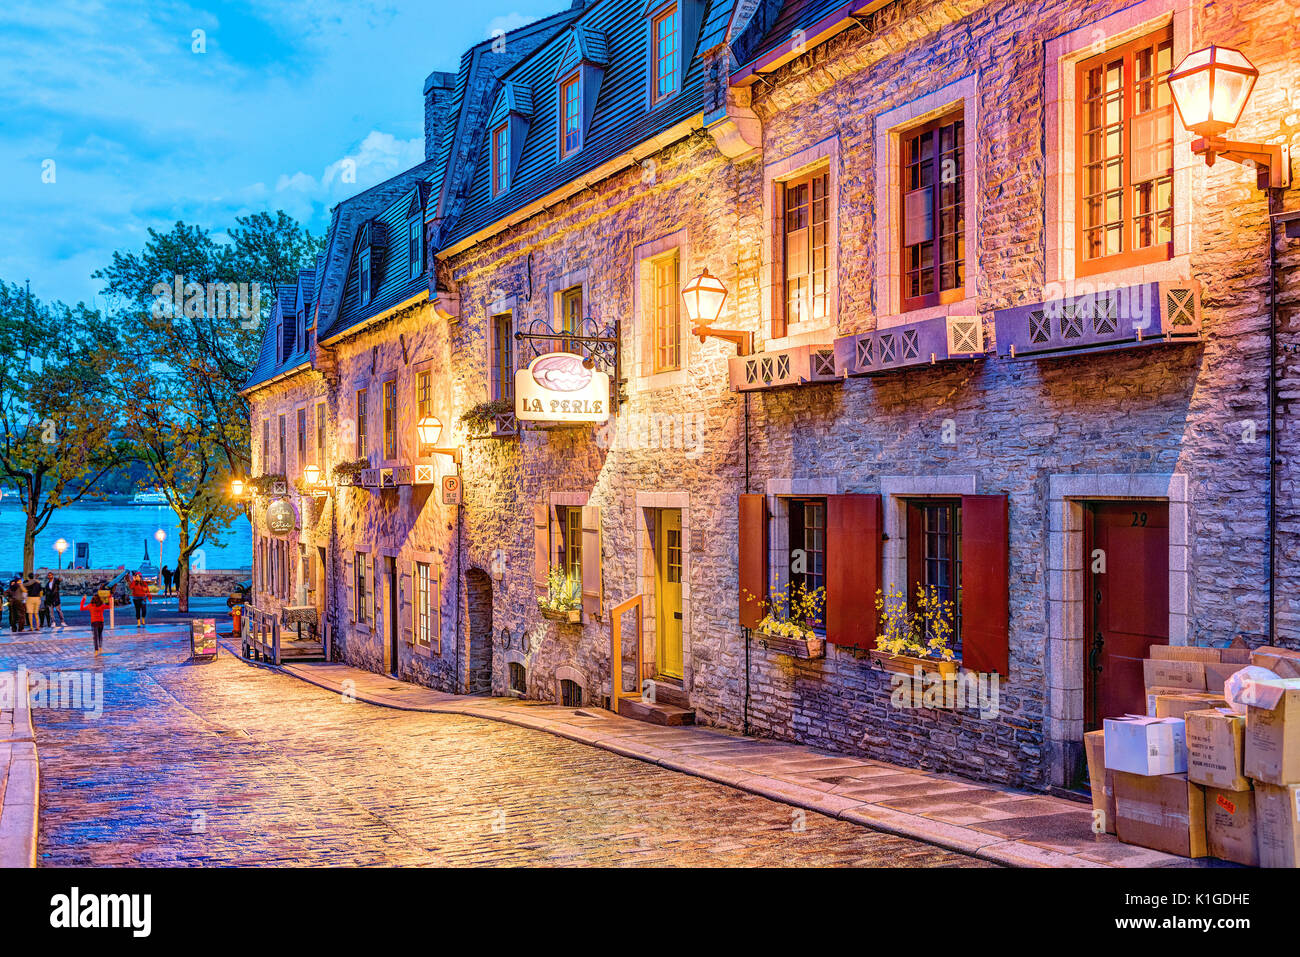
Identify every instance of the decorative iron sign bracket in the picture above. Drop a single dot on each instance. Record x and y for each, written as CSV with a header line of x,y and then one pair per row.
x,y
595,343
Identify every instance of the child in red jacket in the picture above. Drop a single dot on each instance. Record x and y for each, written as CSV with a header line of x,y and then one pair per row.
x,y
96,607
139,595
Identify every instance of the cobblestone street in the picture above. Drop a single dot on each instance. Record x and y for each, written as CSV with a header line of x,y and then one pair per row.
x,y
224,763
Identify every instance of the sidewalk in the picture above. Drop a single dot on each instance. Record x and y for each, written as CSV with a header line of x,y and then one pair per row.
x,y
19,784
1016,828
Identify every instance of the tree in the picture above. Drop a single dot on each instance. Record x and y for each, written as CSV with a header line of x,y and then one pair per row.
x,y
56,412
197,308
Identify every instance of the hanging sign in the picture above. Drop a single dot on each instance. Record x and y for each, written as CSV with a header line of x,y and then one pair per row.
x,y
280,518
556,387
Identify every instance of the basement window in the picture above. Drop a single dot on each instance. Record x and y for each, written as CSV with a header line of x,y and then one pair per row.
x,y
518,677
570,693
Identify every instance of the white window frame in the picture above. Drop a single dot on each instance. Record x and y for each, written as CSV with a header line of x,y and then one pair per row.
x,y
643,377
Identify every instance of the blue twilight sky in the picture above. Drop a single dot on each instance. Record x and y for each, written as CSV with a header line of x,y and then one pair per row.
x,y
143,131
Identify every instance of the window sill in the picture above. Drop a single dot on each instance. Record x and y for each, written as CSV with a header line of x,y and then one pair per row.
x,y
1177,269
656,381
966,306
817,332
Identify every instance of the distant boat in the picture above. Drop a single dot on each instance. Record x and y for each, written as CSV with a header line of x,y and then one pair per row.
x,y
149,498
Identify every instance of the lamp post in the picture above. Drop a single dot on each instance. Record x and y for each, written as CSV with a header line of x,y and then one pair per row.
x,y
1210,88
61,546
429,431
160,536
704,297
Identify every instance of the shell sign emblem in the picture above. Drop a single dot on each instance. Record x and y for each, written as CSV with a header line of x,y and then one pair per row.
x,y
280,518
557,387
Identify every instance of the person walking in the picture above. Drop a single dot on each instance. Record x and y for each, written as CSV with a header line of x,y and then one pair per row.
x,y
17,605
53,595
34,604
167,581
139,596
96,608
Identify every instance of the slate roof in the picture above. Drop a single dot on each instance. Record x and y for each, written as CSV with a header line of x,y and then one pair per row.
x,y
621,118
774,22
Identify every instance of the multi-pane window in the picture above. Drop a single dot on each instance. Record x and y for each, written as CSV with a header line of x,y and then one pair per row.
x,y
423,394
934,555
571,313
390,418
806,222
570,550
364,277
320,434
423,623
933,214
503,357
302,437
808,544
664,56
1125,127
266,446
361,608
570,116
377,592
667,327
501,159
415,246
673,555
362,451
284,454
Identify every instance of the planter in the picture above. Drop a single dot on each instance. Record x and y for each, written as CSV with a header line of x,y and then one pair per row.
x,y
907,664
794,647
572,616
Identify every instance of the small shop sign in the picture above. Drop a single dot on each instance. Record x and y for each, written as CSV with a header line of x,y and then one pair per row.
x,y
451,490
203,638
557,387
280,518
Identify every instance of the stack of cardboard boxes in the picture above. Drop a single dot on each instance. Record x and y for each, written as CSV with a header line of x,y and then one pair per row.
x,y
1196,778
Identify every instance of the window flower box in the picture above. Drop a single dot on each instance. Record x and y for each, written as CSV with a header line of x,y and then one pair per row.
x,y
907,664
807,647
571,616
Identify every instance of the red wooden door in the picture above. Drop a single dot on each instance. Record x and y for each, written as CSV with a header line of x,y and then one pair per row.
x,y
1126,603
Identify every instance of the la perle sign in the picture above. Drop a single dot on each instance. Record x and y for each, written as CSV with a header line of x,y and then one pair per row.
x,y
556,387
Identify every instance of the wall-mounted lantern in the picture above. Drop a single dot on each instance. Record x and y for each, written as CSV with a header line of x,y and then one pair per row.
x,y
429,430
311,475
704,296
237,488
1210,89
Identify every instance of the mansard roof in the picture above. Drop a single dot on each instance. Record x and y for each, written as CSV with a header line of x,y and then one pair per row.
x,y
780,30
611,34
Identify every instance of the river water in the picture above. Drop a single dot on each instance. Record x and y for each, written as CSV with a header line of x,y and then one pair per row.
x,y
117,535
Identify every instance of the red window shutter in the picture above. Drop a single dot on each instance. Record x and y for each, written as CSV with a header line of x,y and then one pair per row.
x,y
591,587
753,558
541,546
854,527
984,596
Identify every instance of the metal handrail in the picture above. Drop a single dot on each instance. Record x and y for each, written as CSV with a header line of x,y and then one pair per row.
x,y
616,649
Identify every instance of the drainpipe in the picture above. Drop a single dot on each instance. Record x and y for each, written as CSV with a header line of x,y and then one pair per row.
x,y
748,633
1272,419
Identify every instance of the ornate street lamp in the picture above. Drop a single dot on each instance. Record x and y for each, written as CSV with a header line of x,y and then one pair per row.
x,y
61,546
237,487
311,475
704,297
1210,89
429,430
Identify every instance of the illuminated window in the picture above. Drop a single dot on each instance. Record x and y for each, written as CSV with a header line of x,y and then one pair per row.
x,y
501,159
302,438
423,394
284,455
415,246
390,418
1125,175
570,116
664,55
667,326
423,621
571,313
361,608
806,223
503,357
320,434
933,212
570,545
362,451
364,278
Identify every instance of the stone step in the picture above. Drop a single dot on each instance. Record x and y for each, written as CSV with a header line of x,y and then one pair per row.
x,y
665,714
668,693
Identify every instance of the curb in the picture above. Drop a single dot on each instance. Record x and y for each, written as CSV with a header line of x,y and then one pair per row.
x,y
952,837
20,778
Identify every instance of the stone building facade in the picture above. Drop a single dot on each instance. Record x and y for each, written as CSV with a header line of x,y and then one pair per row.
x,y
715,467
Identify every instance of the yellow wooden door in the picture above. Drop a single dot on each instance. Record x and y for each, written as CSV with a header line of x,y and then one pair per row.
x,y
668,592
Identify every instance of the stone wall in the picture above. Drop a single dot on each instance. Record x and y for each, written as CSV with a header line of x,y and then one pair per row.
x,y
211,583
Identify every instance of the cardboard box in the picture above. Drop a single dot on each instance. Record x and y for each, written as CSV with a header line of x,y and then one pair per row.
x,y
1165,673
1153,693
1145,746
1217,674
1165,812
1283,662
1235,654
1177,705
1216,748
1277,825
1230,826
1185,653
1100,779
1272,731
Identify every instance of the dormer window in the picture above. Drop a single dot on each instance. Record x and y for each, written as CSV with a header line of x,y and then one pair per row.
x,y
570,115
500,159
415,246
665,52
364,279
